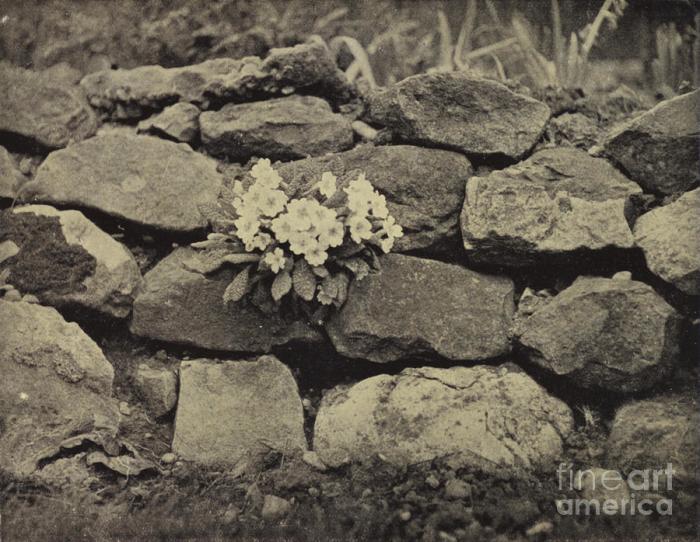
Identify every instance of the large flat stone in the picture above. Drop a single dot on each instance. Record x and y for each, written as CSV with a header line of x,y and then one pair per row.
x,y
424,188
56,384
653,433
558,202
492,418
42,110
670,239
65,260
613,334
136,93
462,112
280,129
415,308
143,179
183,306
659,149
237,411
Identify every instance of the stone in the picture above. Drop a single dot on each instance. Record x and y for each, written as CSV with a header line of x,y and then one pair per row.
x,y
653,433
659,149
56,384
669,236
42,111
597,484
143,179
575,129
424,188
280,129
179,122
462,112
158,388
485,417
421,309
180,305
235,412
11,178
599,333
457,489
65,260
558,202
136,93
275,508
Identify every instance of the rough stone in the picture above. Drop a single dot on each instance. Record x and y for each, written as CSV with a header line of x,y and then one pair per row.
x,y
41,110
232,412
653,433
575,129
50,243
552,205
144,179
280,129
424,188
157,387
56,384
11,177
424,308
659,149
137,92
180,305
179,122
669,237
618,335
493,418
461,112
275,508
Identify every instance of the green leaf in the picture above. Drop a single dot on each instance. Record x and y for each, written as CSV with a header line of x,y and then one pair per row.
x,y
346,251
357,266
281,285
241,258
238,287
304,280
343,282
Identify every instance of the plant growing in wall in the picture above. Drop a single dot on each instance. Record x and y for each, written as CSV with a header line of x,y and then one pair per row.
x,y
306,248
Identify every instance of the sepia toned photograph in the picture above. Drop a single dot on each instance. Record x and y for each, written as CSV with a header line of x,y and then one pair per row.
x,y
349,270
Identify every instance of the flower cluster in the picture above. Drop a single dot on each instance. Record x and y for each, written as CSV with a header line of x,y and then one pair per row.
x,y
303,242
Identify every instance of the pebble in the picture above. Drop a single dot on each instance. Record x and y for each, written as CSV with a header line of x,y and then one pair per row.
x,y
541,527
231,515
275,508
457,489
432,481
622,275
366,493
168,458
314,492
30,298
405,515
124,408
312,460
12,295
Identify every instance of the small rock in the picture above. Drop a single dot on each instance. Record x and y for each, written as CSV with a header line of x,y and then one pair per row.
x,y
158,388
43,110
237,411
575,129
179,122
231,515
602,333
622,275
659,149
459,111
275,508
432,481
280,129
314,492
601,485
540,528
11,178
404,515
12,295
30,298
124,408
668,236
457,489
311,458
168,458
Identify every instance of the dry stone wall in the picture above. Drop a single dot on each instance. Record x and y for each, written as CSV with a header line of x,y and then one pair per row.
x,y
487,205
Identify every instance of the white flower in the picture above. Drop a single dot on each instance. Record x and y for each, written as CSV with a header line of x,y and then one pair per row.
x,y
272,202
275,260
264,175
301,242
378,205
300,213
282,227
316,256
238,189
261,241
327,186
387,244
391,228
360,228
358,203
360,186
333,234
246,228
